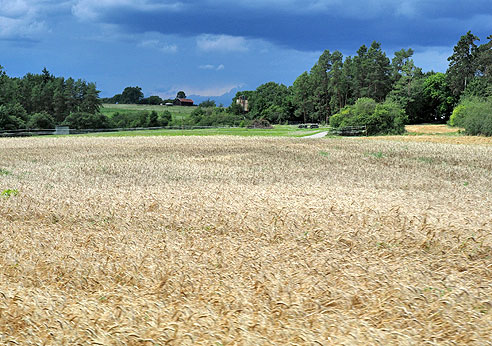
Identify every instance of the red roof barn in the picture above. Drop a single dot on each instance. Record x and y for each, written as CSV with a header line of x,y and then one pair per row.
x,y
183,102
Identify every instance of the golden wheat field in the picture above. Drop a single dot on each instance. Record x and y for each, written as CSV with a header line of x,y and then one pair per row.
x,y
432,129
437,133
244,241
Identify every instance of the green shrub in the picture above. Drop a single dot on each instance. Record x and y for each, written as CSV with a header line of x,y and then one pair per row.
x,y
165,118
458,115
213,117
81,120
153,119
208,103
479,124
12,117
383,118
364,106
120,120
475,115
41,120
140,119
336,120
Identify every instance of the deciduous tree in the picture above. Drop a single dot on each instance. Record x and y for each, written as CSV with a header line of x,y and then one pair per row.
x,y
131,95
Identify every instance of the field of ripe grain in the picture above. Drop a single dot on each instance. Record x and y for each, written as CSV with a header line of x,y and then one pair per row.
x,y
248,241
432,129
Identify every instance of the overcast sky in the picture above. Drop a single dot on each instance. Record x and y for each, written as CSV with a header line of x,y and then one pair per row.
x,y
210,48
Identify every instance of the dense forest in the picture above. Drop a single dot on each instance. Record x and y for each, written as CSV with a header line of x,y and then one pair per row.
x,y
367,89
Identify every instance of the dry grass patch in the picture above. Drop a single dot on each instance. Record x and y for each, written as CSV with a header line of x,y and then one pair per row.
x,y
229,240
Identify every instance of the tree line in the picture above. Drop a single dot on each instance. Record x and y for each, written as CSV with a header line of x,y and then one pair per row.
x,y
335,82
43,100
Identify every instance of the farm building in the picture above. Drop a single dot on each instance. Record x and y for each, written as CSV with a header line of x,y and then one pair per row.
x,y
183,102
243,102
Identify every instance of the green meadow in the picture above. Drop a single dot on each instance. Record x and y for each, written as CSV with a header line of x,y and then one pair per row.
x,y
277,131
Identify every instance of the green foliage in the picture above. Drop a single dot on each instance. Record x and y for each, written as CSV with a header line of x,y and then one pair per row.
x,y
10,117
302,97
408,88
151,100
462,64
441,100
213,117
371,72
140,119
38,93
470,68
165,118
475,115
207,103
41,120
319,87
479,123
81,120
113,100
4,172
269,101
479,87
235,108
135,119
377,154
181,95
119,120
131,95
458,116
334,83
153,119
274,114
337,119
90,102
9,193
364,106
382,118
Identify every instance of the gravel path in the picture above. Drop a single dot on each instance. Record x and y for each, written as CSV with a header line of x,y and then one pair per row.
x,y
317,135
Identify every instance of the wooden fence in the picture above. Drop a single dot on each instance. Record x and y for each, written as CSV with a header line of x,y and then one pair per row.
x,y
45,132
350,131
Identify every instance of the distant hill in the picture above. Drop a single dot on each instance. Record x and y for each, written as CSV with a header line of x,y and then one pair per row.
x,y
225,99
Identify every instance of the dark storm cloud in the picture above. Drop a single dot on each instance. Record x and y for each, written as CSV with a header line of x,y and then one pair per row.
x,y
313,26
